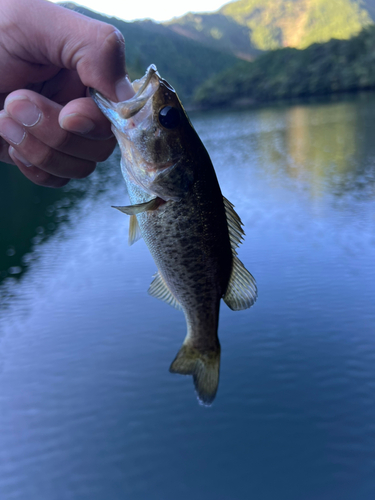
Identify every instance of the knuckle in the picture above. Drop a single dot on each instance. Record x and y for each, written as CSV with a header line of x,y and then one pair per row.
x,y
110,36
63,141
45,159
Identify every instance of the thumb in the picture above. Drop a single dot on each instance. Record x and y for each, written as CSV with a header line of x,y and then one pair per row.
x,y
94,49
98,56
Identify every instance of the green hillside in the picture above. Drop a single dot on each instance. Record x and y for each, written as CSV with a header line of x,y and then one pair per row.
x,y
218,31
298,23
197,63
185,63
273,24
335,66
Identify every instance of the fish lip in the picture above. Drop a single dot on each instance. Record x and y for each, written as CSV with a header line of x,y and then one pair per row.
x,y
129,108
150,72
100,100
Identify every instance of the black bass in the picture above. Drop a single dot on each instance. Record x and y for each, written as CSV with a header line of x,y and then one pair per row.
x,y
191,230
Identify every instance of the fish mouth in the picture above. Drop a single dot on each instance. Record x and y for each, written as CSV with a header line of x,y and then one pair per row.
x,y
132,122
120,113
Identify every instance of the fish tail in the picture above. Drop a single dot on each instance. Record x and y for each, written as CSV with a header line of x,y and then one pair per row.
x,y
203,364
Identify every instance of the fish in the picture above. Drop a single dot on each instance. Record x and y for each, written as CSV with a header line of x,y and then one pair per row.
x,y
190,228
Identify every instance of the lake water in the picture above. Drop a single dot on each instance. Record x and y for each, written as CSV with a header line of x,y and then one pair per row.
x,y
88,408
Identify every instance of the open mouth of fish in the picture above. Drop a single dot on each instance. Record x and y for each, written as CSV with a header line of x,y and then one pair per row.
x,y
129,114
134,115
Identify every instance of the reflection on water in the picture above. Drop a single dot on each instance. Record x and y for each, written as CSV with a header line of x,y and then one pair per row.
x,y
325,151
88,408
31,214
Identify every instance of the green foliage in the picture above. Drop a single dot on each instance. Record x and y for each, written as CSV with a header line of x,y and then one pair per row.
x,y
335,66
217,31
298,23
245,27
334,19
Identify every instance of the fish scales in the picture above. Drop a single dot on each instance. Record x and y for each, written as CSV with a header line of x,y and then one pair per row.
x,y
191,231
190,244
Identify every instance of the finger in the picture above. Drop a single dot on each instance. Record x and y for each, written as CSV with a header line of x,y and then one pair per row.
x,y
100,61
93,48
76,114
62,88
39,116
35,174
38,154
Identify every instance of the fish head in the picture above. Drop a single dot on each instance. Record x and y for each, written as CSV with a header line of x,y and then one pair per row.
x,y
155,136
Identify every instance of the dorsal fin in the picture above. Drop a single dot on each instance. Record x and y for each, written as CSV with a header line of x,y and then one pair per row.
x,y
134,230
159,289
241,291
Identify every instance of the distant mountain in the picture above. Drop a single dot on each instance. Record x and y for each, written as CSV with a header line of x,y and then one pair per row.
x,y
245,27
217,31
331,67
197,52
184,62
298,23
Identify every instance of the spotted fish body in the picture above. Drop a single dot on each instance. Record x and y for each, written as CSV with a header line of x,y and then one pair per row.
x,y
177,207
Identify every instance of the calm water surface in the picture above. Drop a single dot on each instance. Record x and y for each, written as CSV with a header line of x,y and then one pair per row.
x,y
88,409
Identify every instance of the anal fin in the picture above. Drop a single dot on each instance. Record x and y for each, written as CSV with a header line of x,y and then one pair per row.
x,y
242,290
160,290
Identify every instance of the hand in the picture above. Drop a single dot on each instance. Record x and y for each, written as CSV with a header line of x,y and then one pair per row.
x,y
49,56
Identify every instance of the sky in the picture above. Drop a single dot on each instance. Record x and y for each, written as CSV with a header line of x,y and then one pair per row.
x,y
159,10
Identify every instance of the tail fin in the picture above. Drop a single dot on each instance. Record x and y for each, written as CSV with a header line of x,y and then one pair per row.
x,y
204,365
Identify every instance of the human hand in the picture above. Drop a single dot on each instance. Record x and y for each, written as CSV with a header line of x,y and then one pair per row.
x,y
49,56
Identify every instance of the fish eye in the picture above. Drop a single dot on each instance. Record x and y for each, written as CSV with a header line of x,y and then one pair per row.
x,y
169,117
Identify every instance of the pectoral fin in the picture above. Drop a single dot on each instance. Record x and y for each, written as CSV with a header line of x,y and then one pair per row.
x,y
141,207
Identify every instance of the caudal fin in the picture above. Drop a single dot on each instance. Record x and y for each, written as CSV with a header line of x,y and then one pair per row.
x,y
203,365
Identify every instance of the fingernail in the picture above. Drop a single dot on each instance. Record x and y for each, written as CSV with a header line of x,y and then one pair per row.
x,y
23,110
77,123
11,130
124,89
19,157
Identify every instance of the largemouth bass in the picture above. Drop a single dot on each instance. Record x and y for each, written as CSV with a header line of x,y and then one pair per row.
x,y
191,230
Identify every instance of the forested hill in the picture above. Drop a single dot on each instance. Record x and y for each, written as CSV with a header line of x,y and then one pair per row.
x,y
272,24
185,63
203,67
218,31
334,66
